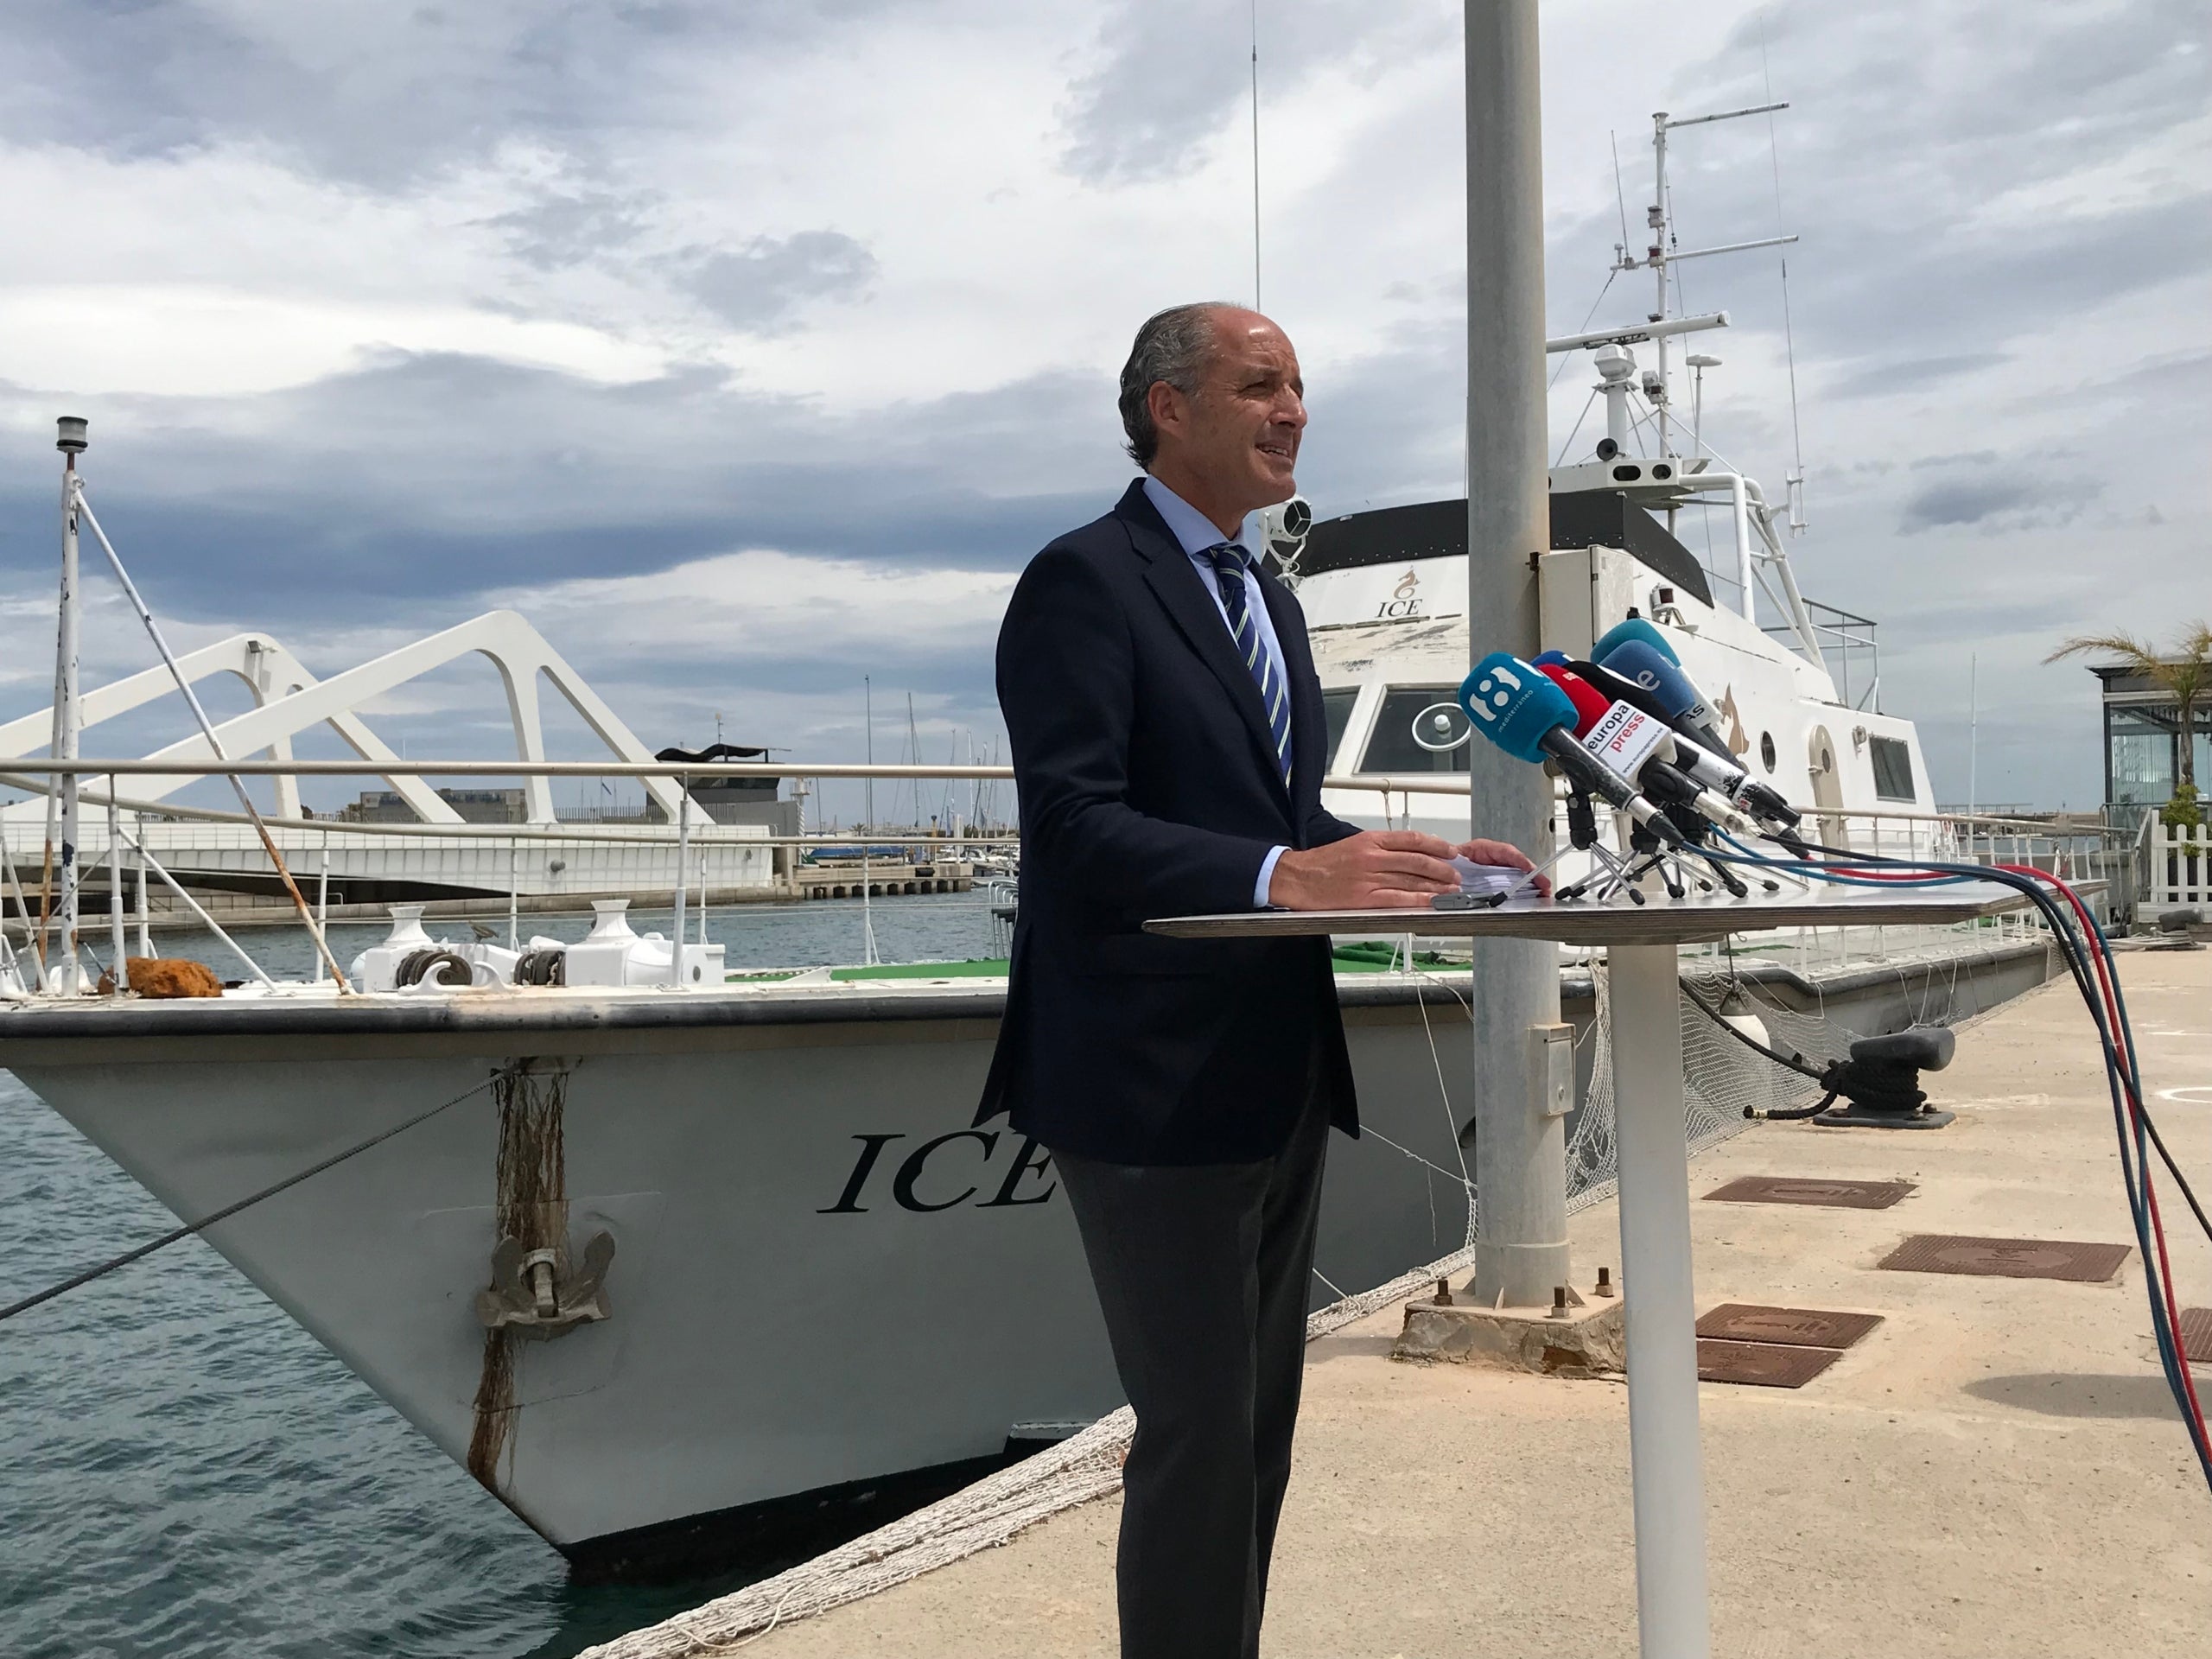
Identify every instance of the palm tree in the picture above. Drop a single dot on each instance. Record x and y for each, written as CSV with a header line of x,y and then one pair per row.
x,y
2186,671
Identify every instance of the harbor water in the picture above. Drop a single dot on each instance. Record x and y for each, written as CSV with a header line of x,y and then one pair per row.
x,y
189,1473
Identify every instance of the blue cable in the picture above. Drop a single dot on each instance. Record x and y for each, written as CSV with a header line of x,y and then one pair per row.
x,y
2123,1076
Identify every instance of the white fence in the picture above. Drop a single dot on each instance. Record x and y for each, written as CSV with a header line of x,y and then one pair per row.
x,y
2181,864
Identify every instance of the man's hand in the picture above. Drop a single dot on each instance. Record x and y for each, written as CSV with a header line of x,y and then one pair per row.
x,y
1500,852
1375,869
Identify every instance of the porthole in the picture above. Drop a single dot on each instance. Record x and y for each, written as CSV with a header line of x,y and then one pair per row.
x,y
1766,750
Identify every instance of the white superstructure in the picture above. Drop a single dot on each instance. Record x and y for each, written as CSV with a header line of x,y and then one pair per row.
x,y
1385,592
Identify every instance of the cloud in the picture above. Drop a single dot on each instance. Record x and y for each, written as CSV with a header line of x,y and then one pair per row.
x,y
759,286
567,227
384,96
1912,374
1989,496
1165,80
383,317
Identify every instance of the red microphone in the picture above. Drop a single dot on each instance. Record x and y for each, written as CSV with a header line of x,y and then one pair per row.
x,y
1590,703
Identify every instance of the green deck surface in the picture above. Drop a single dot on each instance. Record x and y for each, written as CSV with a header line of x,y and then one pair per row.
x,y
1362,958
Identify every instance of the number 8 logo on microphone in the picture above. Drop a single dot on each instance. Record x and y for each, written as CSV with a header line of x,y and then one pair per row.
x,y
1493,690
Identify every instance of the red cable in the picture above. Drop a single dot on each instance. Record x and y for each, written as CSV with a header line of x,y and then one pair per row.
x,y
2099,960
2130,1089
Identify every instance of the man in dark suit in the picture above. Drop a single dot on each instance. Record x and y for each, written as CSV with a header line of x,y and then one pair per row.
x,y
1169,748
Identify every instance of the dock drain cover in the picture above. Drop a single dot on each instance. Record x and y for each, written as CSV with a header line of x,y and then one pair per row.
x,y
2007,1258
1789,1327
1762,1364
1792,1189
2197,1335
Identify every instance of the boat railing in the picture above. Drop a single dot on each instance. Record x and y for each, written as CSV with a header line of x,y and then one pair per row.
x,y
1848,644
2076,848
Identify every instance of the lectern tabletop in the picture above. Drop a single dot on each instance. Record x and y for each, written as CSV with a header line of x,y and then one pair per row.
x,y
1660,920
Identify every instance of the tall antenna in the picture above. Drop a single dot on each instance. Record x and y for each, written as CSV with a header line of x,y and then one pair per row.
x,y
1620,201
1794,482
1256,155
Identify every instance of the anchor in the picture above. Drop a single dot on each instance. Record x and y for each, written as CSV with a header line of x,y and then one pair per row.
x,y
528,1294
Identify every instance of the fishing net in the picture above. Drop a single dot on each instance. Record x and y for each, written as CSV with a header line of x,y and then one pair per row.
x,y
1720,1077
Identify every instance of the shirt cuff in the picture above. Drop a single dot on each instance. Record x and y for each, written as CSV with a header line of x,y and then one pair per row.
x,y
1267,878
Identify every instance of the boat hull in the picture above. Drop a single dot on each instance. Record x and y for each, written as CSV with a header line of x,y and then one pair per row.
x,y
825,1274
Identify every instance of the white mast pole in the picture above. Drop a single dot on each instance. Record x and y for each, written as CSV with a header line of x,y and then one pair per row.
x,y
322,894
144,918
1658,217
62,974
1974,736
120,975
869,954
683,880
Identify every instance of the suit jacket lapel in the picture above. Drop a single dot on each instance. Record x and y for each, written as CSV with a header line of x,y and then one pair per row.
x,y
1181,591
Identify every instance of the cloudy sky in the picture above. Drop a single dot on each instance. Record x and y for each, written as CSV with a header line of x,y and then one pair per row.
x,y
750,349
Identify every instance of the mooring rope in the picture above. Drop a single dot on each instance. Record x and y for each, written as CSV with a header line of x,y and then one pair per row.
x,y
141,1251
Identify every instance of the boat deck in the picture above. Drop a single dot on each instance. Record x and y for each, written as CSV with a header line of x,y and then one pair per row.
x,y
1995,1468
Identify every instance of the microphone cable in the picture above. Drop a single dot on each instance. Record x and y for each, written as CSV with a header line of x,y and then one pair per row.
x,y
2087,953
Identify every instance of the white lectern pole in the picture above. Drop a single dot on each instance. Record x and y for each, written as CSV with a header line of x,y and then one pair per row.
x,y
1667,1462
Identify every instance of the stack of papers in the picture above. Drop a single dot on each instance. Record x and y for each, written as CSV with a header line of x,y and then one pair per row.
x,y
1485,880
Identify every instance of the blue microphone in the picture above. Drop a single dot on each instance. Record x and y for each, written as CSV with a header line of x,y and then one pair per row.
x,y
1514,706
1554,658
1635,628
1662,676
1684,708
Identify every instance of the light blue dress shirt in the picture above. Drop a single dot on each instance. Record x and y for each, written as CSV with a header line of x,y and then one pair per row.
x,y
1198,533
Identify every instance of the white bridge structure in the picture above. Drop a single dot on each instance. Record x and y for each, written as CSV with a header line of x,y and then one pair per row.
x,y
440,855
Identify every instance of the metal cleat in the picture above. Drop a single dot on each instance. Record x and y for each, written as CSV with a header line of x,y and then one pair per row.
x,y
527,1293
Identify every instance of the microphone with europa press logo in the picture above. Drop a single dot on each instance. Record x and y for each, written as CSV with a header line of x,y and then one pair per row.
x,y
1514,704
1637,744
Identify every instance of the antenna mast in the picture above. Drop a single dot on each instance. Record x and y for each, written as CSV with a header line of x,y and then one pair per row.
x,y
1657,256
1256,155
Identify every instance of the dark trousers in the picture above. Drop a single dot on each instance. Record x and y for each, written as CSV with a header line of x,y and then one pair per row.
x,y
1202,1273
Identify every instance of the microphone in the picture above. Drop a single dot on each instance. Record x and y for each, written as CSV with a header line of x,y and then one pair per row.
x,y
1664,677
1514,706
1590,704
1688,712
1643,749
1635,628
1546,658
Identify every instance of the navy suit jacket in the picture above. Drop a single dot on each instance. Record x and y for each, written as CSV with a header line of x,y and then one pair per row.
x,y
1148,787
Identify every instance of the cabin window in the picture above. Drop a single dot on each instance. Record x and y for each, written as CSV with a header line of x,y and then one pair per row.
x,y
1336,708
1393,749
1892,769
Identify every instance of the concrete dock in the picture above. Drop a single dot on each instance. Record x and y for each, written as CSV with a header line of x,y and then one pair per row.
x,y
1996,1468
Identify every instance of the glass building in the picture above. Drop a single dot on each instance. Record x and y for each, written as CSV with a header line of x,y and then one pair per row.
x,y
2143,740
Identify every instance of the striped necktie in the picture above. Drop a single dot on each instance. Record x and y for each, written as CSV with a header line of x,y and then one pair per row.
x,y
1227,560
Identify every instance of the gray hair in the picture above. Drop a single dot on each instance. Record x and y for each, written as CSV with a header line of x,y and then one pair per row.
x,y
1172,346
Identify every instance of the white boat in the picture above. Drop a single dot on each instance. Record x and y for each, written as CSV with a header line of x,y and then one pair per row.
x,y
827,1294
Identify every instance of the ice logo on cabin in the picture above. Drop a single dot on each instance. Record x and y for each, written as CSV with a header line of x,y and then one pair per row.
x,y
1404,601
